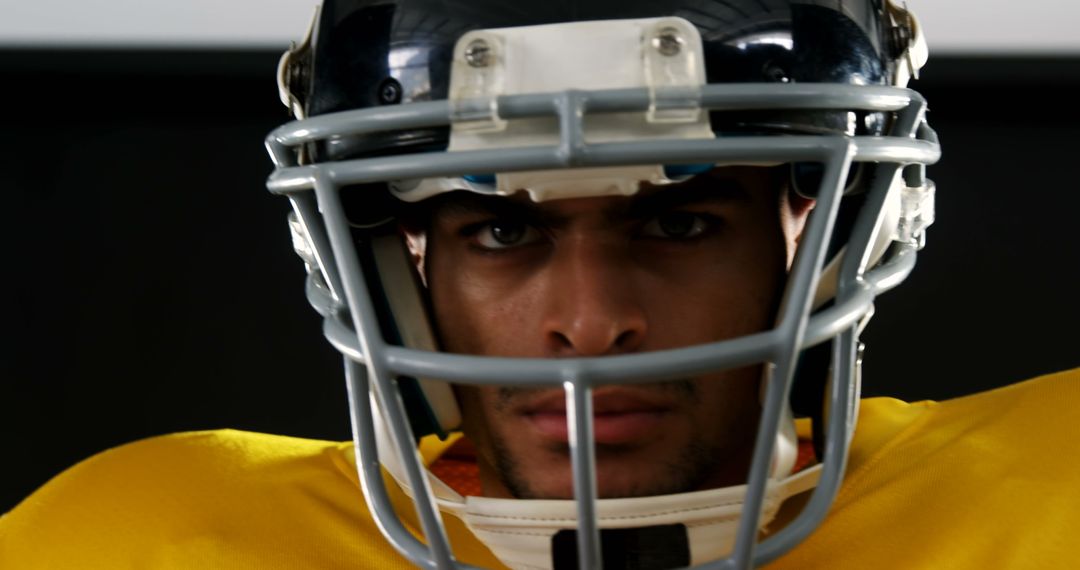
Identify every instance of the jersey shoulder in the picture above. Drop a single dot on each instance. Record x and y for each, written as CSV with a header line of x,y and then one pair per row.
x,y
220,498
986,480
1022,426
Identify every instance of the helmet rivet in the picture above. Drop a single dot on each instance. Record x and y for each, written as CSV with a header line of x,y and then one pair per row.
x,y
390,91
478,53
668,42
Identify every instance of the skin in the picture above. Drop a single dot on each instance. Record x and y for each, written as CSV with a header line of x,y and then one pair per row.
x,y
669,267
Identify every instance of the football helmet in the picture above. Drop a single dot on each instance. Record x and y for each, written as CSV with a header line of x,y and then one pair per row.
x,y
399,101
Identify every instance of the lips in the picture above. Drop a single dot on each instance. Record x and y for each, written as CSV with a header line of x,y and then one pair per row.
x,y
619,416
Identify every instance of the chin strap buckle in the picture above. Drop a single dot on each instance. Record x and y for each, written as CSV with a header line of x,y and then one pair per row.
x,y
916,213
302,243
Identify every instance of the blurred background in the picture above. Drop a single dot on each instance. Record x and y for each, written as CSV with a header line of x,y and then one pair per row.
x,y
150,284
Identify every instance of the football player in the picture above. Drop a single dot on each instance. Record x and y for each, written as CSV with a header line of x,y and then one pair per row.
x,y
597,271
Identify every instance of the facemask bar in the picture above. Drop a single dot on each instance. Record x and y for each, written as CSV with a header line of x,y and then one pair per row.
x,y
307,214
778,347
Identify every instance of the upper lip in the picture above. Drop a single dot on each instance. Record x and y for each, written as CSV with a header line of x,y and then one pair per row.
x,y
614,400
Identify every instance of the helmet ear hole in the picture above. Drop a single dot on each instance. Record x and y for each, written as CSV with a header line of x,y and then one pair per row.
x,y
806,178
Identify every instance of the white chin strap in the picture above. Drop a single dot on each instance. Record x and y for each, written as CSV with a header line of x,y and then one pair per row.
x,y
520,532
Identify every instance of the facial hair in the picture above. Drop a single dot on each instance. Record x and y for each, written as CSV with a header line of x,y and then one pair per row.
x,y
690,470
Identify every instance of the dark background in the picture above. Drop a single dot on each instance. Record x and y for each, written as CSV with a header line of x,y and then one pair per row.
x,y
150,284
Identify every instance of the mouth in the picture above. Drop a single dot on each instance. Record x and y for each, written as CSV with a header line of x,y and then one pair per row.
x,y
619,417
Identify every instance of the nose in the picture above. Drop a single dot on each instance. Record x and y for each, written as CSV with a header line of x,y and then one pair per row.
x,y
595,308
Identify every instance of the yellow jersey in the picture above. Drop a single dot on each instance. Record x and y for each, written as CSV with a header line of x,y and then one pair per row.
x,y
990,480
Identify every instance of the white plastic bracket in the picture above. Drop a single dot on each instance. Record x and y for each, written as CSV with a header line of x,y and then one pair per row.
x,y
673,70
477,80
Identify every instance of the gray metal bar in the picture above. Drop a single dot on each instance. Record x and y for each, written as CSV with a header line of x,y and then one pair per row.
x,y
640,367
372,120
318,295
748,96
293,179
343,339
885,149
910,116
833,464
888,275
745,149
371,481
856,258
842,397
635,367
401,435
830,322
393,407
713,97
822,326
583,453
850,284
571,107
792,324
307,212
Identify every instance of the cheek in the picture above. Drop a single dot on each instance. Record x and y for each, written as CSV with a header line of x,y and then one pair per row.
x,y
477,409
473,408
473,312
460,312
728,293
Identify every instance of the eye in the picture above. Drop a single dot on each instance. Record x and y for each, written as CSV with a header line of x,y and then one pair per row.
x,y
676,225
503,234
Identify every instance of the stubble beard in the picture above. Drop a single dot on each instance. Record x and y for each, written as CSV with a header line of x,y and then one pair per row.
x,y
691,470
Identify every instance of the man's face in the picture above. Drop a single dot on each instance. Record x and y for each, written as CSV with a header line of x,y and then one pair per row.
x,y
667,268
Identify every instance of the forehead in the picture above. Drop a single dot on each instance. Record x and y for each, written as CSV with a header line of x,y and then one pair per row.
x,y
734,184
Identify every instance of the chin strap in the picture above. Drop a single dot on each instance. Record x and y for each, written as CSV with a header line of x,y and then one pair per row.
x,y
521,533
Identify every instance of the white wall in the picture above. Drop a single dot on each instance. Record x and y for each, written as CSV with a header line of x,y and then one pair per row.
x,y
957,26
250,23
